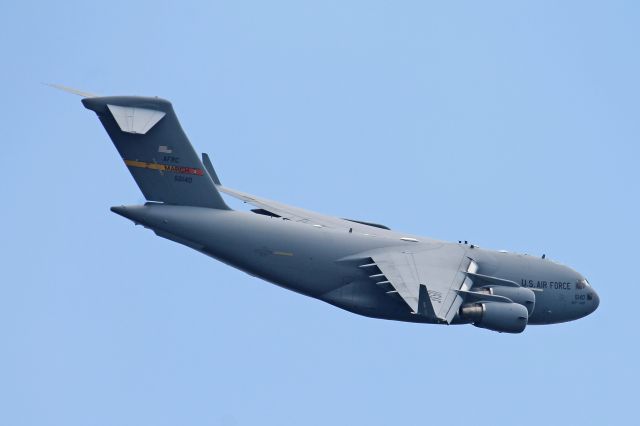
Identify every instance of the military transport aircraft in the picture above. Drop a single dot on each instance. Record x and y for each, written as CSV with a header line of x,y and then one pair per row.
x,y
362,267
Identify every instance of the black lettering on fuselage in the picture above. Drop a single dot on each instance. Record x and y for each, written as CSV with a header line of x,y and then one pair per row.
x,y
544,284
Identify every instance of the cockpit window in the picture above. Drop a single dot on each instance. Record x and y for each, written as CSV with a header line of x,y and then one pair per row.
x,y
582,284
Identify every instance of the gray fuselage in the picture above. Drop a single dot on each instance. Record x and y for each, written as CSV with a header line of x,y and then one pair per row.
x,y
316,261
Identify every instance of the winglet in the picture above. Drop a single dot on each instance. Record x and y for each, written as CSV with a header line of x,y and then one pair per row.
x,y
206,161
71,90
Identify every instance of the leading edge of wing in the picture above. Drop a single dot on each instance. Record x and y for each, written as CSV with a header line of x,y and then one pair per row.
x,y
297,214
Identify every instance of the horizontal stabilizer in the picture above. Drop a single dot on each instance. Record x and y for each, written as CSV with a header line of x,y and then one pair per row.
x,y
72,90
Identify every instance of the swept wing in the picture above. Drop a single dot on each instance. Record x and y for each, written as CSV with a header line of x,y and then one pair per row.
x,y
432,281
297,214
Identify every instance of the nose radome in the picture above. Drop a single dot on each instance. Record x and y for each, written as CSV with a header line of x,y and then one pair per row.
x,y
595,301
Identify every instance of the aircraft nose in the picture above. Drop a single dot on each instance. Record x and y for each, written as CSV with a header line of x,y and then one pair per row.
x,y
587,295
594,300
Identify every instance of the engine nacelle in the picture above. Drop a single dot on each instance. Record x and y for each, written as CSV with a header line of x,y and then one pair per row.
x,y
497,316
523,296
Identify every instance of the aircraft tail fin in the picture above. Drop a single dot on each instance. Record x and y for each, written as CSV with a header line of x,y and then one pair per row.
x,y
148,137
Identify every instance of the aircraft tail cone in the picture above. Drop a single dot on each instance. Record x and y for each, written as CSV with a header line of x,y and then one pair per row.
x,y
137,214
121,210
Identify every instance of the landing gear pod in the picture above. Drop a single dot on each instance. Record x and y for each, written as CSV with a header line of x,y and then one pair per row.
x,y
496,316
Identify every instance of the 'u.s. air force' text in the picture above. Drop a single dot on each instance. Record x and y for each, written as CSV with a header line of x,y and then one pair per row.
x,y
555,285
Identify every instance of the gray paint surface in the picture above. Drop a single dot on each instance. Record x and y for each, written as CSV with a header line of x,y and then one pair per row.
x,y
361,268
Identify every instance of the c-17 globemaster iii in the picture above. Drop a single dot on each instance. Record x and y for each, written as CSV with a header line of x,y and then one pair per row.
x,y
358,266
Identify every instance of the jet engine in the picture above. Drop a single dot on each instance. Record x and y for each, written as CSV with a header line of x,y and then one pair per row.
x,y
520,295
497,316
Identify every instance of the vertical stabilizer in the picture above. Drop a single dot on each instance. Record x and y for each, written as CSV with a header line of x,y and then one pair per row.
x,y
148,136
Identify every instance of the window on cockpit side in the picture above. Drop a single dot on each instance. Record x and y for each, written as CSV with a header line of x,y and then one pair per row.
x,y
582,284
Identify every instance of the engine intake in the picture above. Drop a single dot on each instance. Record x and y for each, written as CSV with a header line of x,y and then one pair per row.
x,y
497,316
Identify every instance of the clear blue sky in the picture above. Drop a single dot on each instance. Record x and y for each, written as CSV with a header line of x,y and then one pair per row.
x,y
510,124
